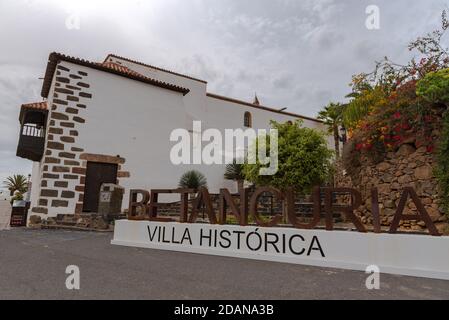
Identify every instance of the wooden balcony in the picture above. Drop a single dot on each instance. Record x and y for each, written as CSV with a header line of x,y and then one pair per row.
x,y
31,142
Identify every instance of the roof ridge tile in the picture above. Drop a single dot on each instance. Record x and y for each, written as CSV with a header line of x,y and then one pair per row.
x,y
54,58
154,67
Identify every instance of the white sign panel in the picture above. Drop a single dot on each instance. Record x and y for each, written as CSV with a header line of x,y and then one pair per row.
x,y
413,255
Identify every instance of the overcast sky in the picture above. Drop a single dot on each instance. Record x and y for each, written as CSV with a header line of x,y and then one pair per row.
x,y
298,54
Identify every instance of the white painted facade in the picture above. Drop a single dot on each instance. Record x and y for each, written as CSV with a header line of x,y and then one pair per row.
x,y
134,120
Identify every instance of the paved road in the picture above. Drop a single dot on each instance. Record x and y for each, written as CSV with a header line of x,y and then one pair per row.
x,y
5,214
33,263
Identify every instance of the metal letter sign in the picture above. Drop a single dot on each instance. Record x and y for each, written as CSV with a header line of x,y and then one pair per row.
x,y
146,207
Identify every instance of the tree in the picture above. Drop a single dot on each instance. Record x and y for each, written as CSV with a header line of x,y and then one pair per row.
x,y
332,116
234,171
15,183
303,157
192,180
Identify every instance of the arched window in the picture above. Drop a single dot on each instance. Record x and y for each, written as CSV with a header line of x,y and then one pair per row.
x,y
247,121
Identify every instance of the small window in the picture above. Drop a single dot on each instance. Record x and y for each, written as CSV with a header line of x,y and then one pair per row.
x,y
247,121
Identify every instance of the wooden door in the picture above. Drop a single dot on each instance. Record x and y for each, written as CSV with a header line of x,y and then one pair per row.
x,y
97,174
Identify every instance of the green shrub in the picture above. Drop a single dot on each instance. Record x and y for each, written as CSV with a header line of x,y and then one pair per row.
x,y
434,87
192,180
304,159
362,104
442,169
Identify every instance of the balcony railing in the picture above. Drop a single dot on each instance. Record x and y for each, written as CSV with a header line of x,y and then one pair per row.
x,y
32,131
31,142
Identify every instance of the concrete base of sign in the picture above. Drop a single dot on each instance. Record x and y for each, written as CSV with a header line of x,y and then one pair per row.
x,y
410,255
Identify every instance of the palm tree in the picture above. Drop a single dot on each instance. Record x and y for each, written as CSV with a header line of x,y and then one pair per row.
x,y
332,116
192,180
15,183
234,171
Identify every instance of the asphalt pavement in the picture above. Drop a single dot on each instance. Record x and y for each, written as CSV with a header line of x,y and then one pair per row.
x,y
33,266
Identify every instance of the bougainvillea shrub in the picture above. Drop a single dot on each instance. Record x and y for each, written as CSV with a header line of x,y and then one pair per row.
x,y
398,105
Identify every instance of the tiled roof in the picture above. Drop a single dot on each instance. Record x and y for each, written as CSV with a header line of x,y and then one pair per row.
x,y
119,68
55,58
115,68
258,106
255,104
152,67
36,105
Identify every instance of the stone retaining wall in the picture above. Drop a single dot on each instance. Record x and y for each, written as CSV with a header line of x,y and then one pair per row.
x,y
408,167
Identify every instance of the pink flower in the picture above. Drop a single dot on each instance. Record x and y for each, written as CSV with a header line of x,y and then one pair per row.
x,y
397,115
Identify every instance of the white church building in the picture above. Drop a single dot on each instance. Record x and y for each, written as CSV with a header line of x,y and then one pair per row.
x,y
110,122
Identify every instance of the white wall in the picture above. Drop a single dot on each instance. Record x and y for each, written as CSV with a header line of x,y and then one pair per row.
x,y
134,120
214,113
37,169
35,184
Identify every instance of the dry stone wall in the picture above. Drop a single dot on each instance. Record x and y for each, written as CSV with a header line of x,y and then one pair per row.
x,y
408,167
